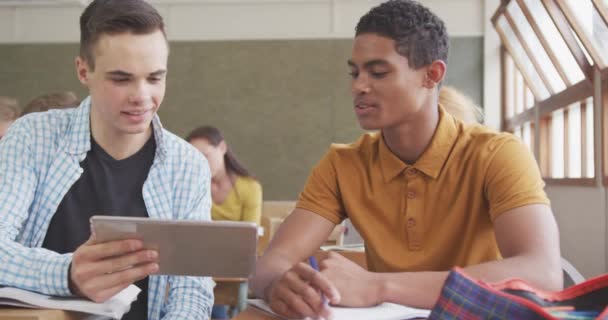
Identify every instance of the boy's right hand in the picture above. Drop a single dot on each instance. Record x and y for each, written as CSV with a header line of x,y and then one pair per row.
x,y
300,292
100,270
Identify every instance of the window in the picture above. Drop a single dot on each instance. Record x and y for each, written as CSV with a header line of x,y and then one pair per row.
x,y
554,41
535,50
589,26
524,63
550,48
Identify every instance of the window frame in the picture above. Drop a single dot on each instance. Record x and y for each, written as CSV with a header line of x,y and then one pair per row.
x,y
540,114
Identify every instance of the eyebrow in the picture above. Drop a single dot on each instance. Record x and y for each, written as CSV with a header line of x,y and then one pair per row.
x,y
121,73
369,64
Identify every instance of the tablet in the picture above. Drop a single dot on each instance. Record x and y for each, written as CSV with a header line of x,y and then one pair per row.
x,y
185,247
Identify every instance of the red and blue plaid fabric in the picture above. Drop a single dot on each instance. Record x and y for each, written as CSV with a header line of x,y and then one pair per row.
x,y
464,298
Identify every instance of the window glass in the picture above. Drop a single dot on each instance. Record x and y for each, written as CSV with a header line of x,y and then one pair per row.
x,y
536,48
592,24
520,55
555,40
557,144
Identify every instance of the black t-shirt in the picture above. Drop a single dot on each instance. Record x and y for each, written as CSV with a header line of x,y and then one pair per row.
x,y
109,187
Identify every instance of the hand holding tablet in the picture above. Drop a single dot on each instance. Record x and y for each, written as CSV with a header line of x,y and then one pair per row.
x,y
193,248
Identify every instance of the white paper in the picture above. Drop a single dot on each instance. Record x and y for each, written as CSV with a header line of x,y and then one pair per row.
x,y
383,311
114,307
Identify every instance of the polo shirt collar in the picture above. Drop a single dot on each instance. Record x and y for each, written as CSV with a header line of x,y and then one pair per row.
x,y
432,159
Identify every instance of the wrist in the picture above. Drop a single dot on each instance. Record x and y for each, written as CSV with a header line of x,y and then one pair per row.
x,y
71,284
382,288
268,288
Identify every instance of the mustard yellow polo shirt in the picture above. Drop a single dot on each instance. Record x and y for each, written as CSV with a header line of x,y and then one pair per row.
x,y
243,203
435,214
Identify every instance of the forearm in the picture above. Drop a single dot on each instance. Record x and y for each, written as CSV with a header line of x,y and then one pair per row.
x,y
267,269
189,298
34,269
422,289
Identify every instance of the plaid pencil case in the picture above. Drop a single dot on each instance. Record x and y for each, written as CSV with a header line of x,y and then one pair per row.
x,y
463,297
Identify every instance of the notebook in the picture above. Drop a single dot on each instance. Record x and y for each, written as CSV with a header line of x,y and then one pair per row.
x,y
383,311
114,307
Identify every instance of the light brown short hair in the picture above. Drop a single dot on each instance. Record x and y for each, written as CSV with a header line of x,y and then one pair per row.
x,y
9,109
45,102
115,17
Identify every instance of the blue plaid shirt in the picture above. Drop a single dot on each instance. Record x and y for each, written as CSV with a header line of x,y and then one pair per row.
x,y
40,160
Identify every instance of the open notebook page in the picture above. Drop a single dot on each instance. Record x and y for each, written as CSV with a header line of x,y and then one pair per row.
x,y
384,311
114,307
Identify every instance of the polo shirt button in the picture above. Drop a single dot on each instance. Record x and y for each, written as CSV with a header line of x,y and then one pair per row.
x,y
410,172
411,195
411,222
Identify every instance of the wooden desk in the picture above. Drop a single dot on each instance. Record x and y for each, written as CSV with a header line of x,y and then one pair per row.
x,y
252,313
9,313
231,292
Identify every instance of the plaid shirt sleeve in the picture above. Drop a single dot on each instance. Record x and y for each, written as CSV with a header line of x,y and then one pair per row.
x,y
34,269
192,297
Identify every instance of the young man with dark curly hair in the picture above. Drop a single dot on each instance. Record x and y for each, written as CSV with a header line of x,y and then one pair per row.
x,y
110,155
426,192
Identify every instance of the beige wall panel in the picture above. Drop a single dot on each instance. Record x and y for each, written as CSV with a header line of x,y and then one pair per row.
x,y
581,216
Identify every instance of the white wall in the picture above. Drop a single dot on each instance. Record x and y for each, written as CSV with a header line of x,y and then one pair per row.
x,y
491,67
57,21
581,216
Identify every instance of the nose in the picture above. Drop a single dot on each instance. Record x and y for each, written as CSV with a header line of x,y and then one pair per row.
x,y
360,85
140,94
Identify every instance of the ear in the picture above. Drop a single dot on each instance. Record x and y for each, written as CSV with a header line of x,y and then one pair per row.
x,y
435,73
223,147
82,70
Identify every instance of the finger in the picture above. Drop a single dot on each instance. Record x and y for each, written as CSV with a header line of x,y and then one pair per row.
x,y
115,264
311,296
319,281
282,309
120,278
294,302
92,269
104,250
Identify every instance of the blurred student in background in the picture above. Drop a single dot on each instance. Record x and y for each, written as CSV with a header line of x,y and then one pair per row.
x,y
9,112
237,195
56,100
460,105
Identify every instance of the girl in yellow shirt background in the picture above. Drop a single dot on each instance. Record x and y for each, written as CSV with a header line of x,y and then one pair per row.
x,y
236,193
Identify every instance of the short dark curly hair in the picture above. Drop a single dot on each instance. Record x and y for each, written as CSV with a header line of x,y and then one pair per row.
x,y
419,34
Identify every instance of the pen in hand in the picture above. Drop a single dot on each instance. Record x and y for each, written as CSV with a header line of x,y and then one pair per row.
x,y
313,263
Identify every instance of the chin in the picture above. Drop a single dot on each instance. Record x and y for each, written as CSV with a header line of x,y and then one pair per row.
x,y
136,130
368,125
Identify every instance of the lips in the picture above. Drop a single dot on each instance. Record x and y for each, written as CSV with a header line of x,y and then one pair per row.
x,y
135,112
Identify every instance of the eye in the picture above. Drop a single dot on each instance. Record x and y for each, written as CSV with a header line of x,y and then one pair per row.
x,y
353,74
154,79
120,80
379,75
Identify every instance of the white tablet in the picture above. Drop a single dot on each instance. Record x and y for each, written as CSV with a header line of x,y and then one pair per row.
x,y
193,248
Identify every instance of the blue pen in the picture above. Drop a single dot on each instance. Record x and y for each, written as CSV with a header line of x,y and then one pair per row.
x,y
313,263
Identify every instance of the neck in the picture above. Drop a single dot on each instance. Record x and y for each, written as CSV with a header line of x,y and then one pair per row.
x,y
408,140
220,177
119,146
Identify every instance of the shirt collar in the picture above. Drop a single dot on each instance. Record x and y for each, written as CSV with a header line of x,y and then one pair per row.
x,y
432,159
78,134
